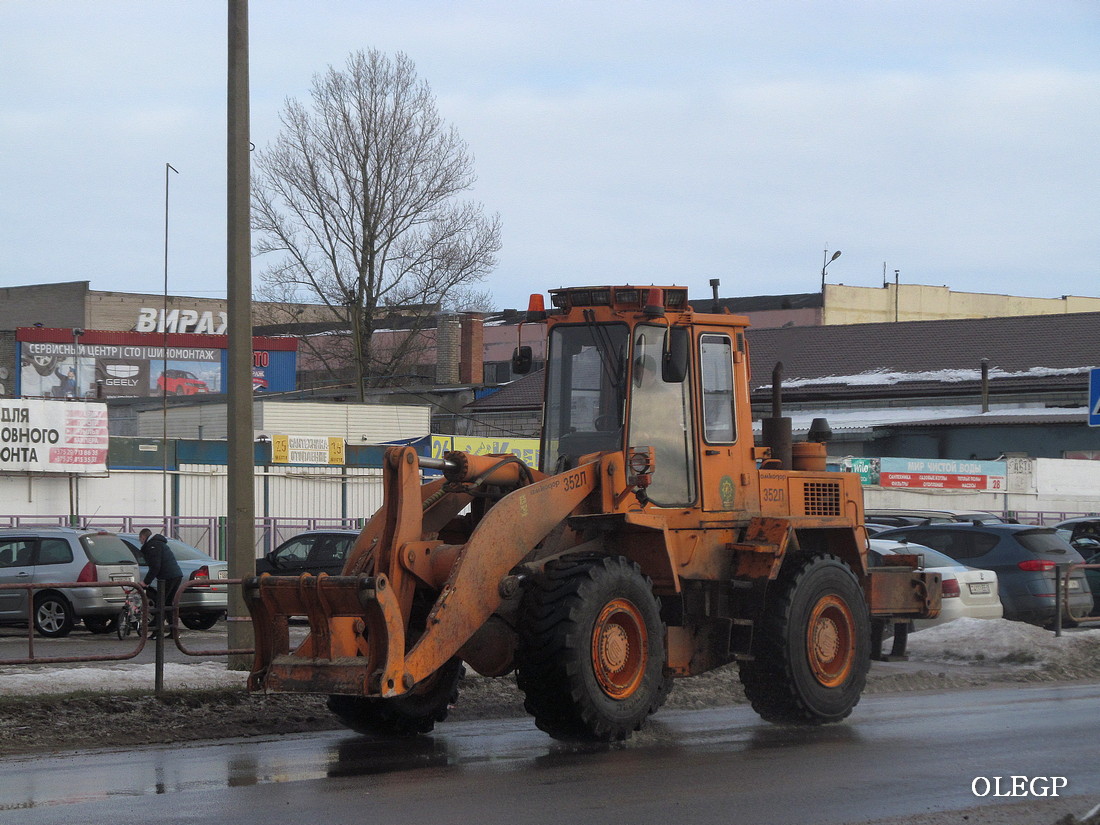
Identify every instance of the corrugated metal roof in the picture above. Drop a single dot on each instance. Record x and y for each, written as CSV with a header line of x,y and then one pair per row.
x,y
1012,344
522,394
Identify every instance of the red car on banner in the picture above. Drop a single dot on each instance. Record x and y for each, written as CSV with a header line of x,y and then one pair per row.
x,y
181,382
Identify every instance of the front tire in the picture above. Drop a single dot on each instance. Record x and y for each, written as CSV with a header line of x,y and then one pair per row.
x,y
407,715
812,646
592,650
53,615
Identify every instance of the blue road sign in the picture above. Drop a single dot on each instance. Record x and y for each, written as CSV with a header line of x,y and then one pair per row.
x,y
1094,398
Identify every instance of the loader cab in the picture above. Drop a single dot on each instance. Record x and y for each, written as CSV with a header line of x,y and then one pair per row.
x,y
617,377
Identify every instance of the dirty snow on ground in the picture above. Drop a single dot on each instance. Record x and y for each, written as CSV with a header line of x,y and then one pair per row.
x,y
986,642
999,641
40,679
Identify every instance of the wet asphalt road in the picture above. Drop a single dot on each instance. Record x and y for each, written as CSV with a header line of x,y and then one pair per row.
x,y
904,756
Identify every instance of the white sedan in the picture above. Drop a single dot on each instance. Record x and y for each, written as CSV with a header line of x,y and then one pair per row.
x,y
967,591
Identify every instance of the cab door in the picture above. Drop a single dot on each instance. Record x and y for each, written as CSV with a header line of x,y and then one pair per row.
x,y
721,445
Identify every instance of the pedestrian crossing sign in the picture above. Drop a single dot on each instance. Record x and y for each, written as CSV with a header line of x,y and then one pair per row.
x,y
1094,398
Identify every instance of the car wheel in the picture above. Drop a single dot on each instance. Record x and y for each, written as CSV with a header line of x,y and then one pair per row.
x,y
53,615
101,624
200,621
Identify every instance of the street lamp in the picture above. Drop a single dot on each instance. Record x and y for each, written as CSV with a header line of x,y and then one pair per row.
x,y
827,261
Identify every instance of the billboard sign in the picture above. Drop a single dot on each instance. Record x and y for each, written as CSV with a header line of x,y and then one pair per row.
x,y
306,449
943,474
97,364
48,436
525,449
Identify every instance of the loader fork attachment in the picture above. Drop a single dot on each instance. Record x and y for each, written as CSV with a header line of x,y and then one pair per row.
x,y
360,636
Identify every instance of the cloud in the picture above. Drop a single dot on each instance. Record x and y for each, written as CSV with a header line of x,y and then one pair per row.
x,y
954,142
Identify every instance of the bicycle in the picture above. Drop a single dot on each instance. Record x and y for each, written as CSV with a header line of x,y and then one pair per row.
x,y
129,618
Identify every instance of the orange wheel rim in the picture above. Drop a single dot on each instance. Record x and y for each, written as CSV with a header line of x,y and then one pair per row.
x,y
620,648
830,641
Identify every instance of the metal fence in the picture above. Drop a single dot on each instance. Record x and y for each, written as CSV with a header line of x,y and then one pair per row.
x,y
206,533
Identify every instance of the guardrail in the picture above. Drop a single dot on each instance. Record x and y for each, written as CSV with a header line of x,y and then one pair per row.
x,y
194,583
31,587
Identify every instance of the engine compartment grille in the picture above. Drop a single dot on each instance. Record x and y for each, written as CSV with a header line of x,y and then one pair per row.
x,y
821,498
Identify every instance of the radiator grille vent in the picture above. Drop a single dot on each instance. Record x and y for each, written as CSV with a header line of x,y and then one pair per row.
x,y
821,498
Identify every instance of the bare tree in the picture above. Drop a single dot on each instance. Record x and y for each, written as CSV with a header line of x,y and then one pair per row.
x,y
357,202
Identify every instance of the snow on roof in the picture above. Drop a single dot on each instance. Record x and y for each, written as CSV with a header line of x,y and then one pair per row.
x,y
862,419
889,377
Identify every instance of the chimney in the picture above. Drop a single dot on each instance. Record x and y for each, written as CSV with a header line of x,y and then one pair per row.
x,y
446,350
471,364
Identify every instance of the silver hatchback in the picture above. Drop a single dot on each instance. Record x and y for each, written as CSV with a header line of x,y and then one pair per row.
x,y
56,555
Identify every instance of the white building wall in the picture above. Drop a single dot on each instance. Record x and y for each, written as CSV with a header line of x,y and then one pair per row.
x,y
1046,485
357,423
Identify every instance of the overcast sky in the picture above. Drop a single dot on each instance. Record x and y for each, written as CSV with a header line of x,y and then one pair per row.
x,y
957,142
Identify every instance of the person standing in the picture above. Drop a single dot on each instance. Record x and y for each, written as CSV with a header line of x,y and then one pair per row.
x,y
67,387
164,570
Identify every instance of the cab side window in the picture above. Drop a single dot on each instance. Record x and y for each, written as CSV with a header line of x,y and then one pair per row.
x,y
716,366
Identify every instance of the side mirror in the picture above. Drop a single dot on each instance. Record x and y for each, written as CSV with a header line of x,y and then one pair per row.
x,y
674,363
521,360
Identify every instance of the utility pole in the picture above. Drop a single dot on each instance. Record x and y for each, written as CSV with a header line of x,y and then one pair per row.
x,y
241,526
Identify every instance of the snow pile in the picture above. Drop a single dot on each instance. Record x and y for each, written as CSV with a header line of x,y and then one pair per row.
x,y
37,680
1002,642
991,643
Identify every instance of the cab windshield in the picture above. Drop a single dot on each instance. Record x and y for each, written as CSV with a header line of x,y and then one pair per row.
x,y
585,393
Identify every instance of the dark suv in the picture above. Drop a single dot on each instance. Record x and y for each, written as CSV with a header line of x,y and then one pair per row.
x,y
1025,559
315,551
900,517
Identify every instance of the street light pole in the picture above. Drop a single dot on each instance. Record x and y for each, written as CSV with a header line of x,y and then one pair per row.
x,y
825,262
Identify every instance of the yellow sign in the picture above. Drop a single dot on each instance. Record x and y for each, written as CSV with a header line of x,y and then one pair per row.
x,y
525,449
306,449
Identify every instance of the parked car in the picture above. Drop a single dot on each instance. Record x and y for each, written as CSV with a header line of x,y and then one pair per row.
x,y
875,529
181,382
905,517
315,551
967,591
1083,534
200,606
1025,559
60,555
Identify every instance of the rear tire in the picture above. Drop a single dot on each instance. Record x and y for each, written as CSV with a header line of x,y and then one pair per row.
x,y
100,624
591,660
199,621
406,715
812,646
53,615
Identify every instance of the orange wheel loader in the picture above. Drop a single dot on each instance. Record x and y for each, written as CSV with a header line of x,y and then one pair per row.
x,y
655,540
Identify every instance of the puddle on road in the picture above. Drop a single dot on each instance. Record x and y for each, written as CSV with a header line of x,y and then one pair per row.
x,y
497,745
